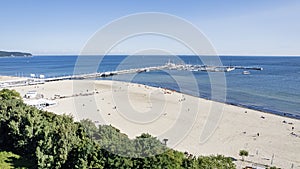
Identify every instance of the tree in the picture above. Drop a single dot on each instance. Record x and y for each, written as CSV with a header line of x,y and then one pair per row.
x,y
6,94
243,154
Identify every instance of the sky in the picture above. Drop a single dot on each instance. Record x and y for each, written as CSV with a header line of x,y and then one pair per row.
x,y
233,27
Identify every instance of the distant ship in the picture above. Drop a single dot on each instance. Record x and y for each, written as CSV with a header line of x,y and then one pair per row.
x,y
246,72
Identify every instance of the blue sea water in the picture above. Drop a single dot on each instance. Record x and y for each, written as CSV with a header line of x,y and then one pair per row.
x,y
276,89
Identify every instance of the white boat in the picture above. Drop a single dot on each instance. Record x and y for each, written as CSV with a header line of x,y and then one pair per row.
x,y
228,69
246,72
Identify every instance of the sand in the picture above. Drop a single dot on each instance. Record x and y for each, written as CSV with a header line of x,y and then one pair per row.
x,y
135,109
7,78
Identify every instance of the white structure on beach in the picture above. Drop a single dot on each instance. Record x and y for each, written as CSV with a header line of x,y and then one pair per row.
x,y
31,94
40,103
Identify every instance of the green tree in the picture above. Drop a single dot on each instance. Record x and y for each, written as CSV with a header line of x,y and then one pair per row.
x,y
6,94
243,154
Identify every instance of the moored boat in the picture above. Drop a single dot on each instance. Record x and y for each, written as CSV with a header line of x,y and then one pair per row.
x,y
246,72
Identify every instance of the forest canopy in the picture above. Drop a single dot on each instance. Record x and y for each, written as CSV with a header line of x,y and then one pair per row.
x,y
4,53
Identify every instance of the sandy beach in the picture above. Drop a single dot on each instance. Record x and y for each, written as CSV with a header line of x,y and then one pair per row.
x,y
7,78
135,109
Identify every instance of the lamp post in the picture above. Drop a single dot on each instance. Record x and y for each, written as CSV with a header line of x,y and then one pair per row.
x,y
165,141
272,159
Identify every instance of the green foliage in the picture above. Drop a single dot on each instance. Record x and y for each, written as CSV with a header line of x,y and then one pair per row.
x,y
10,160
6,94
243,153
5,159
218,161
54,141
273,167
41,136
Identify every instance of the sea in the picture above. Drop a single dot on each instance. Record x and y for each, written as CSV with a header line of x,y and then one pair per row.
x,y
275,89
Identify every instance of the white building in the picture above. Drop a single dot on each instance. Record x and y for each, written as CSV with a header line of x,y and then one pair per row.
x,y
31,95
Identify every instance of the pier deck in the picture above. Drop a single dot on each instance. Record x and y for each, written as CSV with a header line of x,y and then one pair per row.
x,y
167,66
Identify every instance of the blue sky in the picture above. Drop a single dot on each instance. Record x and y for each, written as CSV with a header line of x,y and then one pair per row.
x,y
253,27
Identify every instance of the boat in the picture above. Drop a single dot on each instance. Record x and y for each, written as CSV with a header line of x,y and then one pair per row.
x,y
246,72
228,69
141,70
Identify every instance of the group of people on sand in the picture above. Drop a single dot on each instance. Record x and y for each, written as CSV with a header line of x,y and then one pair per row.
x,y
285,122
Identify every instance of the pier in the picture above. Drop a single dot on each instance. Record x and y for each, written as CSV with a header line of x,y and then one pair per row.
x,y
167,66
248,68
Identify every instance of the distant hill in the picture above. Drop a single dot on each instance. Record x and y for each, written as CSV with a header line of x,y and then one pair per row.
x,y
4,53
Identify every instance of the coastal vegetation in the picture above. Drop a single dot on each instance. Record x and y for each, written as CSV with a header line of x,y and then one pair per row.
x,y
9,160
45,140
4,54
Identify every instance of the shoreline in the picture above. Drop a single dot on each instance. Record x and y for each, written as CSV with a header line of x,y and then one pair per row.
x,y
4,78
260,133
264,110
268,111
